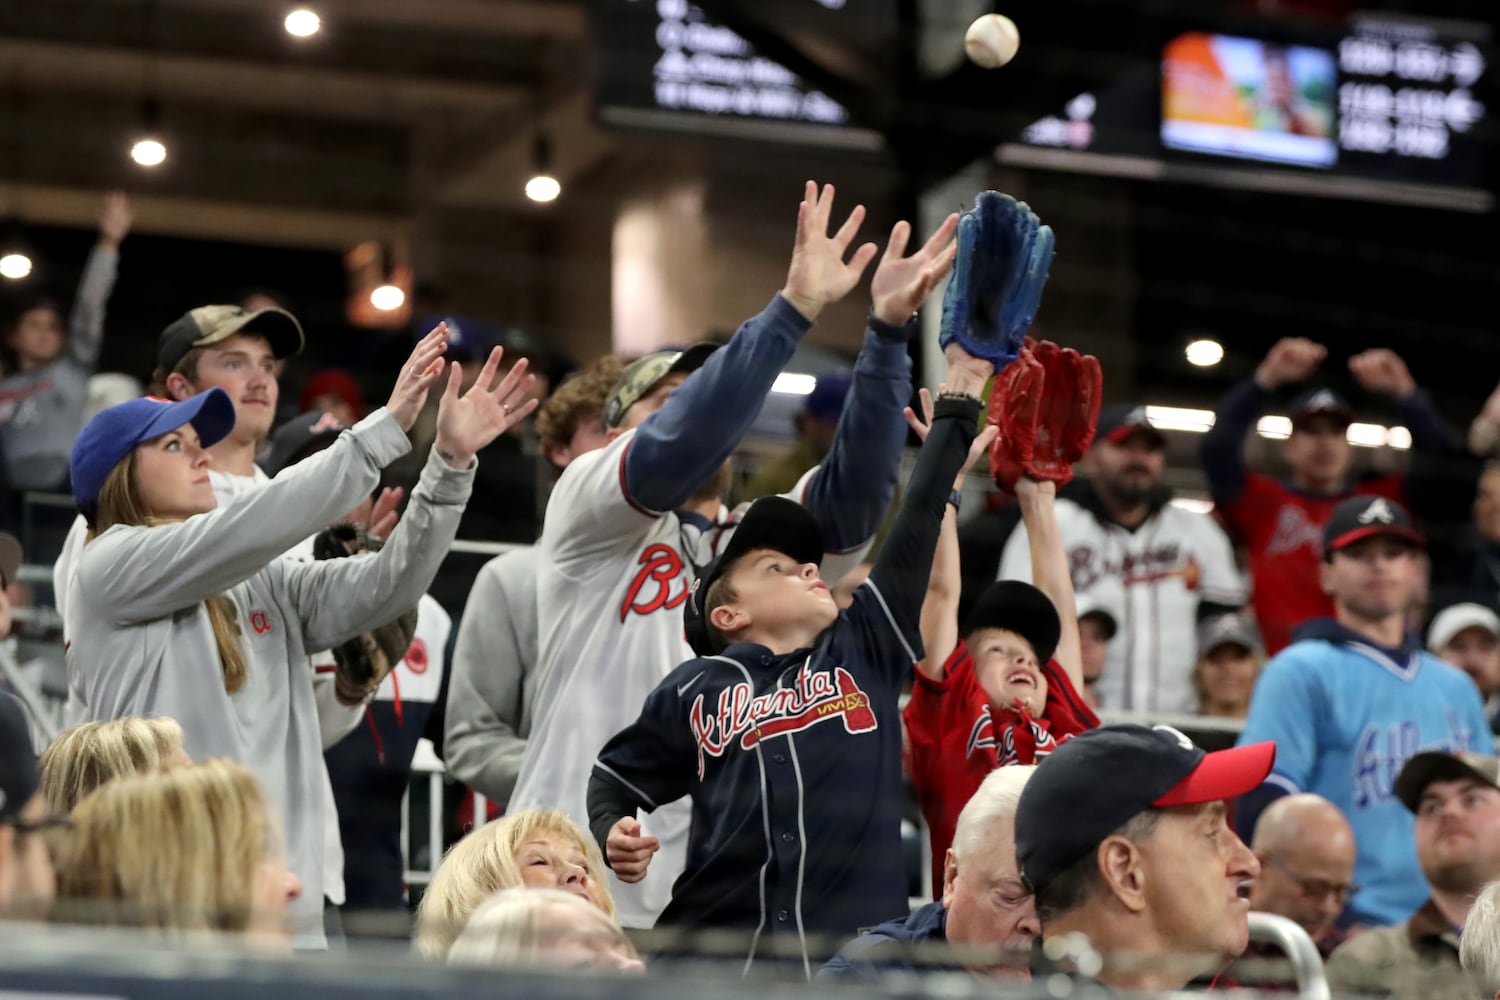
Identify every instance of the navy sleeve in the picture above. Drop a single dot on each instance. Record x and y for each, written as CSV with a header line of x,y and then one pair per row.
x,y
1429,431
852,489
1222,450
898,580
678,447
645,765
1442,478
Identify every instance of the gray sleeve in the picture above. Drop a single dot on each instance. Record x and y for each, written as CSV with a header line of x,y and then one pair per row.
x,y
139,574
86,324
336,599
488,718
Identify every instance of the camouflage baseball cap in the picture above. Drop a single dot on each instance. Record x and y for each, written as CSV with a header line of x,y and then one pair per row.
x,y
641,376
208,325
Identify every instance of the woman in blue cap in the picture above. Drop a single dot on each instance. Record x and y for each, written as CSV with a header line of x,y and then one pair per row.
x,y
183,609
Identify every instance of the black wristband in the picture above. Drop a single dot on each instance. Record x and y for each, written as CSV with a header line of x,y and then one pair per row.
x,y
901,334
957,404
956,498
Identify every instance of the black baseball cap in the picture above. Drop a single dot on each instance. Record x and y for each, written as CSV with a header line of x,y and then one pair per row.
x,y
641,376
1363,517
769,523
299,437
208,325
1099,780
18,772
1020,608
1435,765
1118,424
1320,403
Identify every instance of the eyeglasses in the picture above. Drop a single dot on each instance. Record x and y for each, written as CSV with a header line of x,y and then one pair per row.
x,y
1314,889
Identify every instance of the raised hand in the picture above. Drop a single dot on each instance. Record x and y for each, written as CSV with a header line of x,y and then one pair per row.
x,y
114,219
902,284
921,425
385,513
418,375
467,423
629,853
1382,370
818,275
1291,359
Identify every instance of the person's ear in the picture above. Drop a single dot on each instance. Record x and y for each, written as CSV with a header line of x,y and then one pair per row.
x,y
1325,576
1123,869
179,388
728,618
950,877
560,455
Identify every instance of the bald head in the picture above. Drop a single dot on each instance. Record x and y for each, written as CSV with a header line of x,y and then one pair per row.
x,y
1306,850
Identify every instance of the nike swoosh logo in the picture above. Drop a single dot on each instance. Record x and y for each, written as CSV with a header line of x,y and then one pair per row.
x,y
683,687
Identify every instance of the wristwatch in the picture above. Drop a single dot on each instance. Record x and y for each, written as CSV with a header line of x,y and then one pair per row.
x,y
956,498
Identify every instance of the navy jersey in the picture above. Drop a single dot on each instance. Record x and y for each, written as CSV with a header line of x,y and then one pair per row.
x,y
793,762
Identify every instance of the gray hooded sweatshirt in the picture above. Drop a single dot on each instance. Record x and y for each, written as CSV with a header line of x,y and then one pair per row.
x,y
142,643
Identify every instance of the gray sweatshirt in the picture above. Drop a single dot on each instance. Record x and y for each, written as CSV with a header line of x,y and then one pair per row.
x,y
489,686
142,643
41,411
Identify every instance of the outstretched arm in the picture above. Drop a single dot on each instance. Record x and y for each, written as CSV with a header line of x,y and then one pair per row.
x,y
677,448
1222,451
939,621
1049,569
86,323
852,489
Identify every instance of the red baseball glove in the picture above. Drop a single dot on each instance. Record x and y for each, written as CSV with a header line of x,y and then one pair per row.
x,y
1046,405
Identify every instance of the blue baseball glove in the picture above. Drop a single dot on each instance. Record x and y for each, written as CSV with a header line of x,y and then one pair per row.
x,y
1004,256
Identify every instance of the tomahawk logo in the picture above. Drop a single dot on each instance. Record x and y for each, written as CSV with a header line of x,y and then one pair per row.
x,y
814,698
1379,512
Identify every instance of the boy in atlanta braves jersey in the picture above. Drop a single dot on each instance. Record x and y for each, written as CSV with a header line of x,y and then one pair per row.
x,y
1009,690
784,730
628,525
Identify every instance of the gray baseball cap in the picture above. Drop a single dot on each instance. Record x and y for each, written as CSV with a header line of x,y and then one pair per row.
x,y
1227,629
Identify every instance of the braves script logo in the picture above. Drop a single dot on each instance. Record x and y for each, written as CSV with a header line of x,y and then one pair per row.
x,y
814,698
652,589
260,621
1293,531
1159,563
982,736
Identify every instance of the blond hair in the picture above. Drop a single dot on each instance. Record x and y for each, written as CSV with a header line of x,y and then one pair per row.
x,y
175,850
484,862
120,502
95,753
520,926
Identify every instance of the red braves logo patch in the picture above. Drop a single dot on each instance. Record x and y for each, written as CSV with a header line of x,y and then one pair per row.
x,y
814,698
416,657
260,621
652,589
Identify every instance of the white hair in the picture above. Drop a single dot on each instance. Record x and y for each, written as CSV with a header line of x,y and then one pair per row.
x,y
992,809
521,926
1479,945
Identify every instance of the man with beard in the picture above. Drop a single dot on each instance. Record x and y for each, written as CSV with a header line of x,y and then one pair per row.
x,y
1356,696
1457,807
629,526
1281,523
1121,833
1164,568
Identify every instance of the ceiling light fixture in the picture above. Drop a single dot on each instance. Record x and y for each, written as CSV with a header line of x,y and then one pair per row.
x,y
15,265
543,187
1205,353
387,298
149,150
302,23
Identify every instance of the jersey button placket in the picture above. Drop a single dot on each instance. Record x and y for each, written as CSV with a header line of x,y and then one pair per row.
x,y
788,837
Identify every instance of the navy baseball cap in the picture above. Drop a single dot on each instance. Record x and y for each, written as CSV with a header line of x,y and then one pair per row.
x,y
1020,608
769,523
18,771
1118,424
1320,403
209,325
642,374
1363,517
114,432
826,401
299,437
1099,780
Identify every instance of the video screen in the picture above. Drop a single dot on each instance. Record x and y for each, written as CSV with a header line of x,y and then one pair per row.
x,y
1251,99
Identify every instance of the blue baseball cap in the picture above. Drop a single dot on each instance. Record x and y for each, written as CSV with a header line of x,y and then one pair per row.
x,y
826,401
114,433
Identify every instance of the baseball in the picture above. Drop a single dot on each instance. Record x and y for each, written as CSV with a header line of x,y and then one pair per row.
x,y
992,40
